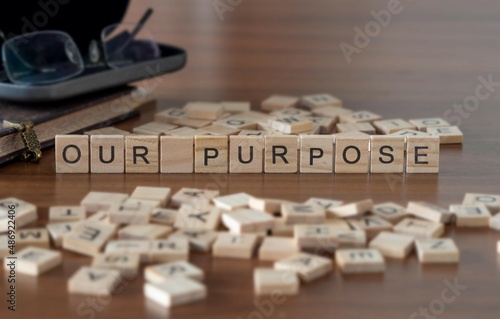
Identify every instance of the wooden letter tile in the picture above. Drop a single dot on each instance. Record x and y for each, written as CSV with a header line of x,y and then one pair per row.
x,y
25,213
352,209
352,154
165,216
495,222
37,237
211,154
318,100
149,231
491,201
291,124
429,211
170,115
275,248
193,196
332,112
316,154
94,281
281,154
66,213
409,133
57,231
387,154
141,248
422,154
423,124
278,102
476,215
160,273
247,221
153,128
34,261
205,217
138,213
316,237
72,154
393,245
161,194
359,117
246,154
419,228
327,204
268,281
447,135
204,110
307,266
352,261
99,201
364,127
88,237
175,291
141,154
441,250
371,224
168,250
177,154
236,106
390,211
232,202
126,263
239,246
392,126
199,240
349,238
302,213
107,154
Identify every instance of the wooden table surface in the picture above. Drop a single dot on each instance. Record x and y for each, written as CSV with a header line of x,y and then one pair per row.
x,y
429,57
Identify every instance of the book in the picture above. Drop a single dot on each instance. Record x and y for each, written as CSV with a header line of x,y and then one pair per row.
x,y
75,115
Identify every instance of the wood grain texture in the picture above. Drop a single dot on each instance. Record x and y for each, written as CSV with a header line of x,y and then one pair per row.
x,y
425,61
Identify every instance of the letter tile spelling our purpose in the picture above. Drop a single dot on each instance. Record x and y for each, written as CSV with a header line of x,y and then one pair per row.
x,y
107,154
492,201
34,261
307,266
476,215
232,201
141,154
160,273
302,213
176,154
161,194
441,250
353,209
25,213
419,228
422,154
318,100
429,211
447,135
390,211
246,154
423,124
88,237
175,291
211,154
392,126
66,213
72,154
393,245
126,263
352,154
94,281
281,154
387,154
98,201
239,246
193,196
268,281
360,261
275,248
278,102
206,217
199,240
316,154
247,221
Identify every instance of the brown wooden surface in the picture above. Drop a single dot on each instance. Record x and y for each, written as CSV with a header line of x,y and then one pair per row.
x,y
427,59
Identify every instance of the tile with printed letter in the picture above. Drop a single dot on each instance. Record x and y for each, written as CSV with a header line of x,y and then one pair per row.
x,y
437,250
274,248
199,240
205,217
360,261
126,263
308,267
302,213
24,213
88,237
239,246
34,261
393,245
476,215
268,281
168,250
175,291
193,196
160,273
94,281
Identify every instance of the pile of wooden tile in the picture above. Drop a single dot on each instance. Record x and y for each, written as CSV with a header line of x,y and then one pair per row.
x,y
121,232
312,134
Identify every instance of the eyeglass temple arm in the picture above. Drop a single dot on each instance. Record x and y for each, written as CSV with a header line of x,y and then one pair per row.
x,y
142,22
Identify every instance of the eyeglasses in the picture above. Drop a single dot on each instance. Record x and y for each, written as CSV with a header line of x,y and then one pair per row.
x,y
46,57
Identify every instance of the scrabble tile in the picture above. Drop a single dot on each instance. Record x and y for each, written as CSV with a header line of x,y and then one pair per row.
x,y
447,135
371,224
278,102
205,217
390,211
199,240
149,231
364,127
72,153
422,154
268,281
57,231
316,237
24,213
291,124
107,154
101,217
88,237
441,250
239,246
268,205
331,112
193,123
423,124
308,267
251,133
66,213
408,132
204,110
168,250
216,129
339,224
318,100
316,154
126,263
94,281
137,214
281,154
327,204
419,228
392,126
161,194
141,154
387,154
247,221
193,196
429,211
158,274
492,201
170,115
211,154
175,291
246,154
302,213
110,130
165,216
351,261
393,245
289,112
184,131
98,201
476,215
495,222
141,248
352,154
33,261
236,106
36,237
359,117
281,228
275,248
177,155
153,128
326,124
349,238
348,134
232,201
353,209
